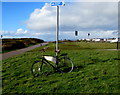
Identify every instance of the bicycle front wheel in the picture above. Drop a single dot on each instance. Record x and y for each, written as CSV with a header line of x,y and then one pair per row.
x,y
65,65
40,68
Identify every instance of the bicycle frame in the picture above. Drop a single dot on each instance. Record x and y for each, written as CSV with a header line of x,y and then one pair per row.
x,y
47,62
57,61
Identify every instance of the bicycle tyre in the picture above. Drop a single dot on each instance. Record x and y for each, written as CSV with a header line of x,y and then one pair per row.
x,y
40,68
65,65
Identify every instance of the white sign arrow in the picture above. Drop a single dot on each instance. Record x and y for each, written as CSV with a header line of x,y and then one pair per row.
x,y
57,3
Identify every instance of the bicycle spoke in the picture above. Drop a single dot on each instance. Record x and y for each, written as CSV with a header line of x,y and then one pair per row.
x,y
40,68
36,68
65,65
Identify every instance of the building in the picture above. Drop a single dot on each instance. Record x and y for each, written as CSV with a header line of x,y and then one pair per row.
x,y
111,40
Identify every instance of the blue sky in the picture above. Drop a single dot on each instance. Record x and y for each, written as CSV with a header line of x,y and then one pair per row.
x,y
15,13
38,20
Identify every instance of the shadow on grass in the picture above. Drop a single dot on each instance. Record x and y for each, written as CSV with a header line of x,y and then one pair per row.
x,y
92,61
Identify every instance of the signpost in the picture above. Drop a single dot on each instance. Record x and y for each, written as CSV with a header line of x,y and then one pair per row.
x,y
57,4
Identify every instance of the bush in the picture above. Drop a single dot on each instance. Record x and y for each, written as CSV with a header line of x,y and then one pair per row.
x,y
11,44
14,45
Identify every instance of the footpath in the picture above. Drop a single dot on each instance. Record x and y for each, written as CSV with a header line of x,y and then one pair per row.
x,y
20,51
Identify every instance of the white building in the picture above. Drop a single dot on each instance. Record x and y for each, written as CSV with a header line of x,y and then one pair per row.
x,y
112,40
88,39
96,39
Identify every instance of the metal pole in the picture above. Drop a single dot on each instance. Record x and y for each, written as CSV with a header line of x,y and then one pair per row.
x,y
57,30
57,35
117,45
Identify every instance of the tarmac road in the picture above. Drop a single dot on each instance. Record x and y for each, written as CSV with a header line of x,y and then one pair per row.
x,y
20,51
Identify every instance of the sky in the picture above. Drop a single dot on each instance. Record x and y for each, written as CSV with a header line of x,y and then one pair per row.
x,y
38,20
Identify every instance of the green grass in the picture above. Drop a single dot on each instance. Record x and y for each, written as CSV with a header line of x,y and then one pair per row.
x,y
96,72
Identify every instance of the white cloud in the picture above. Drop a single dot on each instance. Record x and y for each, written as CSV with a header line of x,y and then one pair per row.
x,y
80,16
84,34
6,32
48,36
42,19
20,31
99,19
15,34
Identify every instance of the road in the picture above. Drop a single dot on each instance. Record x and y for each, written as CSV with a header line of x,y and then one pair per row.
x,y
20,51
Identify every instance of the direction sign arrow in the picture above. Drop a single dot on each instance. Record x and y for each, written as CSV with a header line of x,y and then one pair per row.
x,y
57,3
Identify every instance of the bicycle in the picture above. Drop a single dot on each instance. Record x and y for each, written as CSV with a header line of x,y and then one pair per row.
x,y
48,64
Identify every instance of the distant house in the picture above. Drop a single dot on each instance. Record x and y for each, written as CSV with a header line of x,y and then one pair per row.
x,y
88,39
112,40
104,40
85,39
96,39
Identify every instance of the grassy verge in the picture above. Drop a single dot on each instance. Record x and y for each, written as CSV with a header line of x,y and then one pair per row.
x,y
97,71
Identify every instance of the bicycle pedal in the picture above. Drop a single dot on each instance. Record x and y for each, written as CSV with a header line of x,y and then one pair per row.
x,y
47,74
36,61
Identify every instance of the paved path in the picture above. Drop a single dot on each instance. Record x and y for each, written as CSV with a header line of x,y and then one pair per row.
x,y
16,52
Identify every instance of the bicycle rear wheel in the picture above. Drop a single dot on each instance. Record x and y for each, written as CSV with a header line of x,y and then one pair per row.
x,y
65,65
40,68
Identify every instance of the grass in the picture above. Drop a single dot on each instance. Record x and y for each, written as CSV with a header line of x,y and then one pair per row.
x,y
97,71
